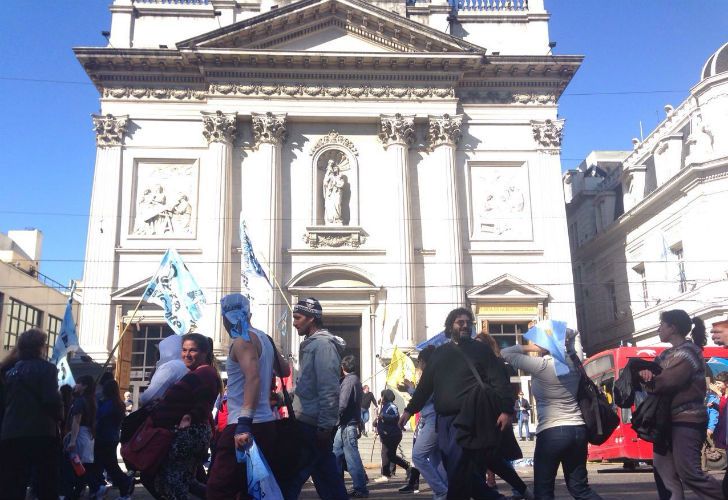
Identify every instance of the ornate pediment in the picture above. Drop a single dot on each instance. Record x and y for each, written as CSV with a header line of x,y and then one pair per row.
x,y
348,26
507,288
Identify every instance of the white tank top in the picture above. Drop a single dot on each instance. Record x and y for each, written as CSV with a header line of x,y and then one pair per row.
x,y
236,383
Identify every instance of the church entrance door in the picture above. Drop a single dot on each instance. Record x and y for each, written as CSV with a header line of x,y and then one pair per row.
x,y
349,329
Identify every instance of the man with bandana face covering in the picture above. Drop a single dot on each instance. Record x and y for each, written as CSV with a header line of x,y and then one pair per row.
x,y
250,366
316,404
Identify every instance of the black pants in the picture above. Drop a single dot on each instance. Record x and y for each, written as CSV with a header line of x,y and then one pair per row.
x,y
105,460
391,442
18,456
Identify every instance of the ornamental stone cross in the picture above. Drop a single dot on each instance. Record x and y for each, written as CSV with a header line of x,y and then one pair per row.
x,y
219,127
397,129
444,130
269,128
548,133
109,129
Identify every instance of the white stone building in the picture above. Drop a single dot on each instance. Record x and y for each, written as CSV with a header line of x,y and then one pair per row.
x,y
28,298
645,226
384,166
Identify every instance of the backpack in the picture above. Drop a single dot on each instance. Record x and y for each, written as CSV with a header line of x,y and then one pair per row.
x,y
600,419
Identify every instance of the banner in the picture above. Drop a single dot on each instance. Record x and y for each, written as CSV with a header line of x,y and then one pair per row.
x,y
174,289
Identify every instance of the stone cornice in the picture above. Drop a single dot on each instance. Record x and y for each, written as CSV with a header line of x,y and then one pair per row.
x,y
109,129
333,91
219,127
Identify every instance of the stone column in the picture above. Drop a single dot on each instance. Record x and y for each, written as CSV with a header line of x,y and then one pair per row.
x,y
397,133
219,130
269,134
97,319
443,135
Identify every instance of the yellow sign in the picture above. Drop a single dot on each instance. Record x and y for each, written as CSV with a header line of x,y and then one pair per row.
x,y
509,309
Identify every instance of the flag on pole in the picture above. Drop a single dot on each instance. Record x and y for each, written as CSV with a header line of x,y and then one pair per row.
x,y
67,339
174,289
400,368
282,324
65,376
250,266
551,335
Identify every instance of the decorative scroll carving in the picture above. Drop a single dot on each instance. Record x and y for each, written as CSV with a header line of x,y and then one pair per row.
x,y
317,237
269,128
109,129
397,129
444,129
219,126
548,133
334,138
487,96
142,93
329,91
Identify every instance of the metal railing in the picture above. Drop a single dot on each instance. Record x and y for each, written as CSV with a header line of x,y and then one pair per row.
x,y
490,5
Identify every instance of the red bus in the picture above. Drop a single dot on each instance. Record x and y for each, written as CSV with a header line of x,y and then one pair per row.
x,y
603,368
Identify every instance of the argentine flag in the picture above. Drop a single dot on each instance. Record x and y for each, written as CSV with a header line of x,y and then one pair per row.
x,y
174,289
67,340
551,335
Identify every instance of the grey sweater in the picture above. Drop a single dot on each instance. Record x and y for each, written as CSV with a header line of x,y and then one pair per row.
x,y
555,396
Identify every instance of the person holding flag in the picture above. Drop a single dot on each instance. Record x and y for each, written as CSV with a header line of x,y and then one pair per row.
x,y
251,364
561,431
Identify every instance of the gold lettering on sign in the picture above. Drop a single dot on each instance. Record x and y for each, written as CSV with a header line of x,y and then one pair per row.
x,y
509,309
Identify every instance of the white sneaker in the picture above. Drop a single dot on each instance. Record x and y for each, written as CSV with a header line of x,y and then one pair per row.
x,y
381,479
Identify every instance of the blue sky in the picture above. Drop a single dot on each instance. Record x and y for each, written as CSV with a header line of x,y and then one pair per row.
x,y
645,47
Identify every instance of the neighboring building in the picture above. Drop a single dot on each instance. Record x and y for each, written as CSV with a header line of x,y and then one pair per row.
x,y
645,226
384,166
27,298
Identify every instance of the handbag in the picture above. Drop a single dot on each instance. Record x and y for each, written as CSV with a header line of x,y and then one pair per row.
x,y
147,449
131,423
600,418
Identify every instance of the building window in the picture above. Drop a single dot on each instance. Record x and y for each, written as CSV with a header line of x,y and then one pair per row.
x,y
677,253
640,271
507,334
54,328
612,297
145,350
21,317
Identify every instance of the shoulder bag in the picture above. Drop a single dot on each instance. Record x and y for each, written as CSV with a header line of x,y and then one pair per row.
x,y
147,448
600,418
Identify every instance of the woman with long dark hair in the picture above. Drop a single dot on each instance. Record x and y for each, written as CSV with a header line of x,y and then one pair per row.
x,y
29,437
109,414
682,379
79,441
186,408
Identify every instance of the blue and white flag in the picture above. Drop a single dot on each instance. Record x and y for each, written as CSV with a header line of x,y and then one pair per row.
x,y
250,266
282,324
551,335
176,291
65,376
262,484
67,339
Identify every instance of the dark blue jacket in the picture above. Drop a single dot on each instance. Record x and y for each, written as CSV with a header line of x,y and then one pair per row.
x,y
108,421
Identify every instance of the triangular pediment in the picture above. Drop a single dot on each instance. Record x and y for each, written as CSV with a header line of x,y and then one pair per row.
x,y
330,26
132,292
508,287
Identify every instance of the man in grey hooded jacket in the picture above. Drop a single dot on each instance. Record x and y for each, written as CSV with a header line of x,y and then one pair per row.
x,y
316,404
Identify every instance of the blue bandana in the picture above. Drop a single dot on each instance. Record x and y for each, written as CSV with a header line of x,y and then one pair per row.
x,y
236,309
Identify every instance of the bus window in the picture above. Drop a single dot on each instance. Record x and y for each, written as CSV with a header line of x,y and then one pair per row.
x,y
600,365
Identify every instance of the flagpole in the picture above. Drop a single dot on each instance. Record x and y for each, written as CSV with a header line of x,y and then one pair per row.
x,y
121,336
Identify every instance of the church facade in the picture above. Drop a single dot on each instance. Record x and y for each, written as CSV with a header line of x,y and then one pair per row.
x,y
393,160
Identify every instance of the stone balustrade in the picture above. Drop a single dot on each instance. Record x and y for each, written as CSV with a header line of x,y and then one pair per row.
x,y
490,5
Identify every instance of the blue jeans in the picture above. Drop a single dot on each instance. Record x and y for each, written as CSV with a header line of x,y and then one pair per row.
x,y
346,448
426,455
365,415
320,466
566,446
465,468
523,420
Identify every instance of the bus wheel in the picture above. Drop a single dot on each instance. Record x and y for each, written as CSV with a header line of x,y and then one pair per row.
x,y
629,465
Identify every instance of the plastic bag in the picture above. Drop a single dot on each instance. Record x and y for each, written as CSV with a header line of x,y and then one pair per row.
x,y
261,482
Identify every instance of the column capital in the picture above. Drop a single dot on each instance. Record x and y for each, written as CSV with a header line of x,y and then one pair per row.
x,y
397,129
444,130
269,128
219,127
548,133
109,129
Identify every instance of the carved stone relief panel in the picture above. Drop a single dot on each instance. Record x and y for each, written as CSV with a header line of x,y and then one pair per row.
x,y
164,200
500,202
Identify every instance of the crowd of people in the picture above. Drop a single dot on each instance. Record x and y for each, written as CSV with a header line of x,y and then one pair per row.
x,y
60,442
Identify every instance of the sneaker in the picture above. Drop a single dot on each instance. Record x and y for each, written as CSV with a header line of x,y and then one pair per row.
x,y
358,494
410,488
100,493
381,479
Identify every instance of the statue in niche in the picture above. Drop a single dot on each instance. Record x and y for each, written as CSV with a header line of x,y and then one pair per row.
x,y
503,205
335,192
156,217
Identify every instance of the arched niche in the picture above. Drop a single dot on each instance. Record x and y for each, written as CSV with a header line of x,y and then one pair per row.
x,y
341,153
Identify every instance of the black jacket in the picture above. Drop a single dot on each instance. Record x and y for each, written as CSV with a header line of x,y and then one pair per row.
x,y
32,402
448,377
350,394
